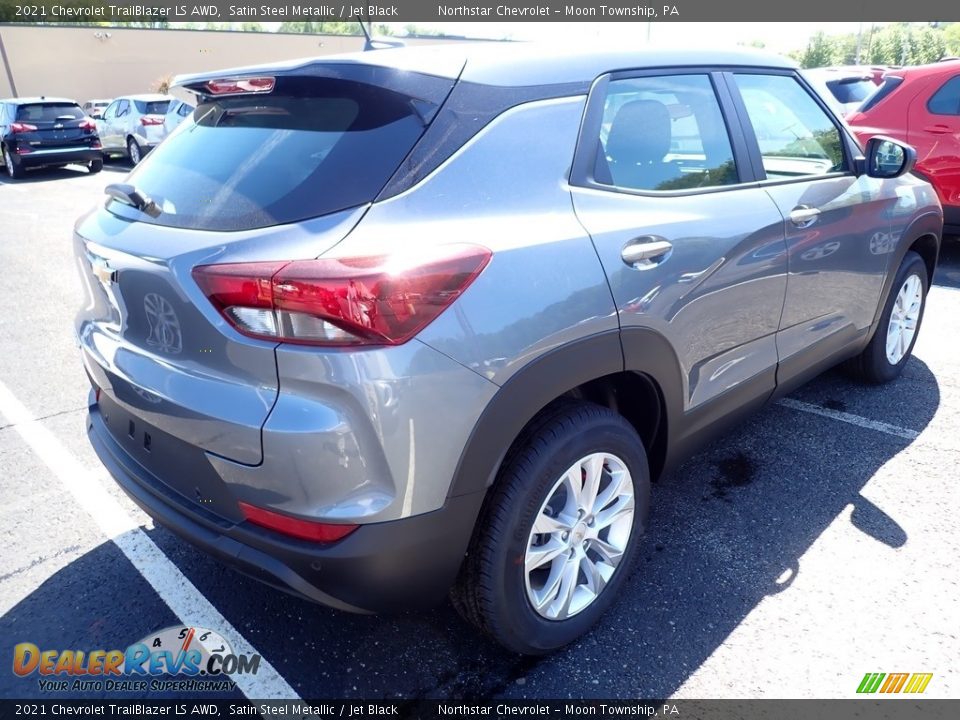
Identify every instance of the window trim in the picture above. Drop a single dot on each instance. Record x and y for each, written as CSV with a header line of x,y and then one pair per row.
x,y
585,155
850,157
934,94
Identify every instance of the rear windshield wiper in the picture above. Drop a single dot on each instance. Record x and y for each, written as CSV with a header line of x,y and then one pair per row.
x,y
129,195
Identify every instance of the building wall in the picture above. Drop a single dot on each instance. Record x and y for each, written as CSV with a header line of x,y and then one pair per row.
x,y
99,62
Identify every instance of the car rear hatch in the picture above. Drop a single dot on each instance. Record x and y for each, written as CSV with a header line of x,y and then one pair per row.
x,y
48,126
257,176
151,116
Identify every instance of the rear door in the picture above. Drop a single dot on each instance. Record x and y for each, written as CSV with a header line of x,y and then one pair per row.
x,y
837,225
934,127
692,247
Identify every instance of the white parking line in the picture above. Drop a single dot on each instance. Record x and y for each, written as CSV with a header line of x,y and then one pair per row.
x,y
174,589
848,418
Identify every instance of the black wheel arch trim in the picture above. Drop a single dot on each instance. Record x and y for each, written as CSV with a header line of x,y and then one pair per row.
x,y
927,224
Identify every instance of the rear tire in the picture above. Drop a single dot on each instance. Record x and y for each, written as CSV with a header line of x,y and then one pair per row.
x,y
583,550
134,152
95,166
12,166
892,343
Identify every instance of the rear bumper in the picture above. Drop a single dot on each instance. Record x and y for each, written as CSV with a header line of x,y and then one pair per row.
x,y
381,567
58,156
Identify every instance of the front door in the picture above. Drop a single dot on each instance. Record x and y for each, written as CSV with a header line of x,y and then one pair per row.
x,y
692,247
837,225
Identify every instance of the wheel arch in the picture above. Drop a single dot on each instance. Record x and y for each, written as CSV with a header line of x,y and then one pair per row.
x,y
591,369
922,236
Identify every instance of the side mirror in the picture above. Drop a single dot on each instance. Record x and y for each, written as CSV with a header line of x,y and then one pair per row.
x,y
887,158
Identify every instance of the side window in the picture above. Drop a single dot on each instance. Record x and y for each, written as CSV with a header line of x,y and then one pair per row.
x,y
664,133
946,100
123,108
184,109
797,137
111,111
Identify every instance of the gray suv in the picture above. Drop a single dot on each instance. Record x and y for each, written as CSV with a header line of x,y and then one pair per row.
x,y
376,327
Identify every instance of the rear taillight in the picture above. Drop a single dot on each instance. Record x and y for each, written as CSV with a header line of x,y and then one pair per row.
x,y
380,300
19,127
151,120
88,124
295,527
237,86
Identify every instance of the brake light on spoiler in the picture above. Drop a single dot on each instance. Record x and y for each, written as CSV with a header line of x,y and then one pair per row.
x,y
238,86
374,300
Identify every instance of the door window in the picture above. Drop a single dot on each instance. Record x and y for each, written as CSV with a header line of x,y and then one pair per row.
x,y
111,111
797,137
946,100
123,108
664,133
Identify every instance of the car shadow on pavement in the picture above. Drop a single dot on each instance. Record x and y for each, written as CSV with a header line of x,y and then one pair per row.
x,y
728,529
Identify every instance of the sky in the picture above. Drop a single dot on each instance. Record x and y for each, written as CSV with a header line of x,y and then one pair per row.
x,y
777,37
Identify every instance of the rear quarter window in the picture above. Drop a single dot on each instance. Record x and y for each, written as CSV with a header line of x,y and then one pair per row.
x,y
154,107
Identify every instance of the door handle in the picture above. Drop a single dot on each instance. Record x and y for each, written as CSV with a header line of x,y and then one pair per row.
x,y
644,250
804,216
937,129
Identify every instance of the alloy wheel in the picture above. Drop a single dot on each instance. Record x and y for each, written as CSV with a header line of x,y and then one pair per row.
x,y
904,317
579,536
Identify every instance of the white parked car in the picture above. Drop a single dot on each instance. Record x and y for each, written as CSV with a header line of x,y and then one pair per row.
x,y
176,113
132,125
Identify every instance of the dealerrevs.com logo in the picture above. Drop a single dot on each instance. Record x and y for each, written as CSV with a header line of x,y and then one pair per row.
x,y
910,683
177,658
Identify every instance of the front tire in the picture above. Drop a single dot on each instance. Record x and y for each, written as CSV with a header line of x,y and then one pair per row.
x,y
559,532
892,344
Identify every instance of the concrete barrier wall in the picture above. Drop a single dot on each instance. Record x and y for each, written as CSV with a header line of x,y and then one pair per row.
x,y
99,62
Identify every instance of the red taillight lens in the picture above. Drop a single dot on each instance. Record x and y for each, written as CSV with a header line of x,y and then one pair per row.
x,y
381,300
19,127
88,124
295,527
241,85
151,120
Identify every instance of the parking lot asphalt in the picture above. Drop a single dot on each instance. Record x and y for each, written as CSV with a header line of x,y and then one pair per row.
x,y
813,544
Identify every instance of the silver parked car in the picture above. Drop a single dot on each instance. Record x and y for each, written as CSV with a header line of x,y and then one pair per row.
x,y
133,125
372,327
95,108
844,87
176,112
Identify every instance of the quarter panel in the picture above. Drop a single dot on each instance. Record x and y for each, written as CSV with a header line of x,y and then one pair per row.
x,y
506,190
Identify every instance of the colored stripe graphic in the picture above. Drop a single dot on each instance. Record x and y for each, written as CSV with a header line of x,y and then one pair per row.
x,y
870,682
918,683
895,682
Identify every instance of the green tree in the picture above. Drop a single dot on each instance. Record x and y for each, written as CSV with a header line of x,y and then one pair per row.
x,y
819,51
951,39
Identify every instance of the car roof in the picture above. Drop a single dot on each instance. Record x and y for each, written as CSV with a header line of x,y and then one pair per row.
x,y
147,97
35,100
518,64
916,71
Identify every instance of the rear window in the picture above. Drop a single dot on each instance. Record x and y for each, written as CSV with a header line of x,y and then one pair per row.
x,y
946,101
852,90
889,85
313,147
154,107
48,112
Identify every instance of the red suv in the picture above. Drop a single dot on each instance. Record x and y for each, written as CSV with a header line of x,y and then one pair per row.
x,y
921,106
